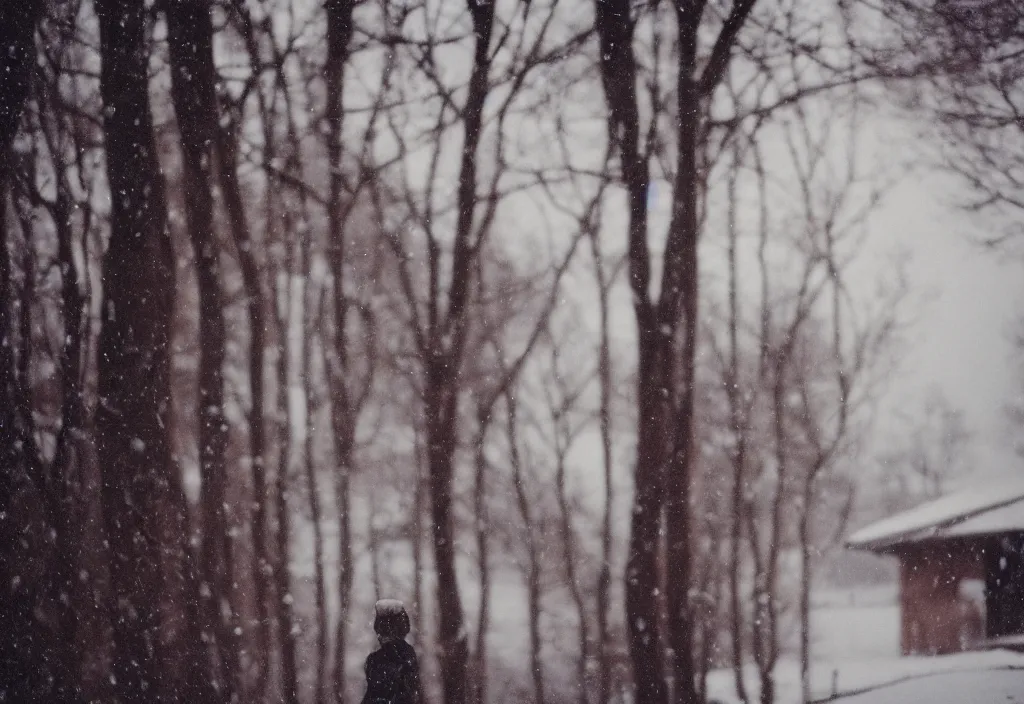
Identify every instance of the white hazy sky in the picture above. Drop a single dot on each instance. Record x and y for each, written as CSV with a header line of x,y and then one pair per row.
x,y
959,340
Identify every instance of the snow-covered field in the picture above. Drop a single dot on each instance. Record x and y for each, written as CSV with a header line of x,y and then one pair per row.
x,y
856,641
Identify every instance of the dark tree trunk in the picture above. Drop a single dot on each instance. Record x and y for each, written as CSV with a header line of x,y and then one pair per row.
x,y
483,418
533,585
282,568
604,372
193,91
71,498
618,69
339,35
683,232
442,359
262,567
439,409
72,454
312,316
804,533
665,398
571,578
29,646
133,373
417,540
738,426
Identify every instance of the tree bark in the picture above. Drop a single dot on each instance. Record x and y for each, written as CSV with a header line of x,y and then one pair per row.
x,y
483,419
339,36
282,569
805,591
255,298
604,373
571,577
73,458
133,375
193,91
443,359
441,434
738,423
25,654
618,73
533,586
417,540
665,443
312,315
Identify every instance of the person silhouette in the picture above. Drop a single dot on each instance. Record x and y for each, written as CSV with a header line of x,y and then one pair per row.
x,y
392,672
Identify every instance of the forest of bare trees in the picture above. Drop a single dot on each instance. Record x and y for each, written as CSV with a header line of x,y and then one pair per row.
x,y
547,317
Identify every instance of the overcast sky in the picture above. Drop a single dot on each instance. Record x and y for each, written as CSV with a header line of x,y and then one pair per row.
x,y
959,340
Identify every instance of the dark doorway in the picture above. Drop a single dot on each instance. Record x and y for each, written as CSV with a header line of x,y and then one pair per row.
x,y
1004,587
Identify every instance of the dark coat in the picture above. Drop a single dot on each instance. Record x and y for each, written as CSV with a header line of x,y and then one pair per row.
x,y
392,675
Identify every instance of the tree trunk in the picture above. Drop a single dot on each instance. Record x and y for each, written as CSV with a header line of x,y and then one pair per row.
x,y
312,488
765,606
684,233
441,437
190,39
134,385
738,423
604,372
665,443
339,35
442,359
805,591
618,72
373,545
262,568
282,569
483,418
29,646
571,578
72,454
533,586
417,541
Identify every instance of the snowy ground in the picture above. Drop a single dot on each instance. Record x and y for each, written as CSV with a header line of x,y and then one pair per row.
x,y
968,678
856,636
972,687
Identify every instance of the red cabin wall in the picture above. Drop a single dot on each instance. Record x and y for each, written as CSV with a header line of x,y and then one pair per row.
x,y
935,620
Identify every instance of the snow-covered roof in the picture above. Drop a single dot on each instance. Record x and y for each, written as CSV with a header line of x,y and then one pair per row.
x,y
988,509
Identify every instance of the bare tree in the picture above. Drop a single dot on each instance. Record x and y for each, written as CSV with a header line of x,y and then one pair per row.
x,y
563,398
532,534
29,644
339,35
131,418
245,248
193,88
604,280
966,68
665,430
438,297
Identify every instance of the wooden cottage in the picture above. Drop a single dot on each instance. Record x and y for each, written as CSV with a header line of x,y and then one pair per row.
x,y
961,569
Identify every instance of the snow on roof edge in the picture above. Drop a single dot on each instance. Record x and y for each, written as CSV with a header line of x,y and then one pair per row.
x,y
926,519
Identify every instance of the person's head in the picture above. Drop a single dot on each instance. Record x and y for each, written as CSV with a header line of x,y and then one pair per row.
x,y
390,622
